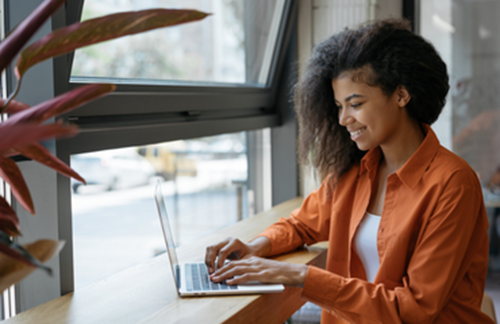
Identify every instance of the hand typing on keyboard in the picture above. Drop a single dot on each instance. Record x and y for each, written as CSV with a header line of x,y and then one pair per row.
x,y
231,249
251,266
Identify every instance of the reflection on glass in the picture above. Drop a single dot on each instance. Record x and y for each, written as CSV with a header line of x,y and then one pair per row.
x,y
115,221
464,32
233,45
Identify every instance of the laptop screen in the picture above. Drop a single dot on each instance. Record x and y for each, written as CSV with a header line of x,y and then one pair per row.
x,y
167,233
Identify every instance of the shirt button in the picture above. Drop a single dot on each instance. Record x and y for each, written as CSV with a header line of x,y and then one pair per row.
x,y
381,230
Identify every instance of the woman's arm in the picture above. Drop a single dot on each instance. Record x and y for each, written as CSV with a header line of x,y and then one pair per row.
x,y
306,225
452,240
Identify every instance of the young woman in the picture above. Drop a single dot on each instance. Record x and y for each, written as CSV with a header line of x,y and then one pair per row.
x,y
404,217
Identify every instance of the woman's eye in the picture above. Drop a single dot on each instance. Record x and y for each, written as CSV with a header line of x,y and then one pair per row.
x,y
355,105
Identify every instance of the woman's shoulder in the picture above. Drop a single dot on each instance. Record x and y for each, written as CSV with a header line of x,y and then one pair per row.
x,y
451,168
335,186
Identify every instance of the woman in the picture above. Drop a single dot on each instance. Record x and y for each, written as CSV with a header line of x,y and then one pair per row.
x,y
404,217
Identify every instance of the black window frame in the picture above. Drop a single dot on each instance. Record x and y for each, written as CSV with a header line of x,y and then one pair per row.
x,y
120,119
140,114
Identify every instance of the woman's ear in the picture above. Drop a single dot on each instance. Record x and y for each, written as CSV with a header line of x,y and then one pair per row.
x,y
402,96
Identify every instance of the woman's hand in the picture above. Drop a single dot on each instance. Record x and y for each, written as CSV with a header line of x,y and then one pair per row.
x,y
263,270
232,248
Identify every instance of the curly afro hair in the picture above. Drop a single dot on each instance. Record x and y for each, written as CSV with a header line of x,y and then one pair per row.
x,y
393,56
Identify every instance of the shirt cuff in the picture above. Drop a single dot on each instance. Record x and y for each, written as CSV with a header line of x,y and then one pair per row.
x,y
275,244
321,287
270,238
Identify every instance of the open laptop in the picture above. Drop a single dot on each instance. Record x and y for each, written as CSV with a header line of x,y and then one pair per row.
x,y
192,279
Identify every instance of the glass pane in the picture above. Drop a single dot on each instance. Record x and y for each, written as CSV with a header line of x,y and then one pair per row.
x,y
233,45
465,34
115,220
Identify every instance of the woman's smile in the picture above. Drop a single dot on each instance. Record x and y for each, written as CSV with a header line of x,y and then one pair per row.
x,y
357,133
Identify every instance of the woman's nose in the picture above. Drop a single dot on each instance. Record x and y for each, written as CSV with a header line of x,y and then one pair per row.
x,y
344,117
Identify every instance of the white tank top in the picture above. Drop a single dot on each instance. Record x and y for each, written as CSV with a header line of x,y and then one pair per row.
x,y
366,245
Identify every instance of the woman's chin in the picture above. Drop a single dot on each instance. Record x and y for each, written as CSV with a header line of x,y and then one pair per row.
x,y
363,146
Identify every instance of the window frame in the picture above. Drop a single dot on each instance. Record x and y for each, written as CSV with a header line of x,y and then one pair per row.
x,y
195,109
411,11
120,119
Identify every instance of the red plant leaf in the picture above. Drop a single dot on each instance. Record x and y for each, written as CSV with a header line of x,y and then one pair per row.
x,y
13,176
9,222
100,29
33,254
25,259
39,153
22,134
61,104
10,152
16,40
14,106
14,254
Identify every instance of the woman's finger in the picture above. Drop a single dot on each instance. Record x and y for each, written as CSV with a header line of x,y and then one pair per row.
x,y
263,270
229,273
238,268
247,277
234,246
212,252
230,265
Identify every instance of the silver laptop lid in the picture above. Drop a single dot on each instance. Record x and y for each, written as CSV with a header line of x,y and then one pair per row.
x,y
167,234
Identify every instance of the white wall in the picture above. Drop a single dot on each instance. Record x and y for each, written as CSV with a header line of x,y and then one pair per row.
x,y
37,87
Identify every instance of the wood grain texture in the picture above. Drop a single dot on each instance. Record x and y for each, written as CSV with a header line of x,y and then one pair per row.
x,y
146,293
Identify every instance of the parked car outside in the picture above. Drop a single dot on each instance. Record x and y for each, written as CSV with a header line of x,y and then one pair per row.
x,y
170,159
112,169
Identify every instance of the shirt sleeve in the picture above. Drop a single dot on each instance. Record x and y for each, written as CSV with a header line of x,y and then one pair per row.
x,y
452,237
307,225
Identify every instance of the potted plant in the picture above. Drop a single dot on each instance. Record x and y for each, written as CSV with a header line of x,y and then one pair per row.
x,y
21,133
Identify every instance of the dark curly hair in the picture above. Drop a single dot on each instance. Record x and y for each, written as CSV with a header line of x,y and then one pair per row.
x,y
394,56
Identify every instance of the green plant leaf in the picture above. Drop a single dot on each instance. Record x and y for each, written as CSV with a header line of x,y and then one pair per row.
x,y
100,29
61,104
16,40
8,219
39,153
13,176
22,134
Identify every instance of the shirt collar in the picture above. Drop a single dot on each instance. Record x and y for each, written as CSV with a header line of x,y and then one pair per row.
x,y
412,171
370,161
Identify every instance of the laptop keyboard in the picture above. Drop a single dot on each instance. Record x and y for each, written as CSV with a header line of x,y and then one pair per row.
x,y
197,279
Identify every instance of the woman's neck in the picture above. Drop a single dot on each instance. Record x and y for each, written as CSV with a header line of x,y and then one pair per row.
x,y
403,145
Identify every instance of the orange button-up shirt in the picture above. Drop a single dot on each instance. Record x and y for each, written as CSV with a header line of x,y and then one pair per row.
x,y
432,242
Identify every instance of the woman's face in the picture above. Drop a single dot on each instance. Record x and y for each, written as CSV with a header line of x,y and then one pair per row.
x,y
372,118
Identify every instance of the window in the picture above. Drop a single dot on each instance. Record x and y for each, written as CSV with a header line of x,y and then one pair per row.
x,y
146,111
115,222
464,33
234,45
151,109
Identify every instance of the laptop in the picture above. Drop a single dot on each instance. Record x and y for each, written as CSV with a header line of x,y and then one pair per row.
x,y
192,279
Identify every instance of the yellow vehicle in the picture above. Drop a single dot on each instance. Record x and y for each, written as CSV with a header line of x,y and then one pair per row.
x,y
168,161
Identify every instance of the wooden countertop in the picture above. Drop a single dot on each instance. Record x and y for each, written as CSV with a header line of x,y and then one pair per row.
x,y
145,293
